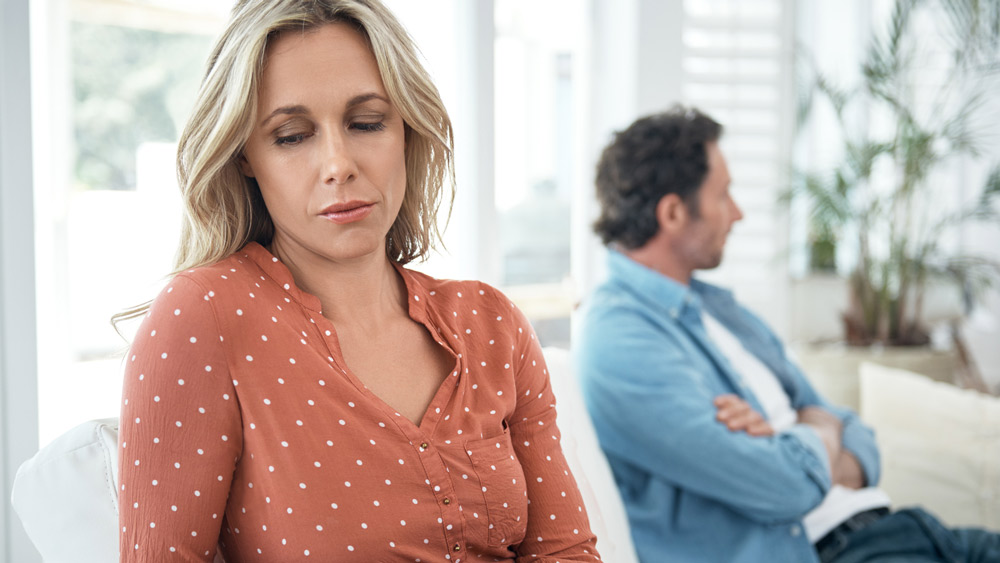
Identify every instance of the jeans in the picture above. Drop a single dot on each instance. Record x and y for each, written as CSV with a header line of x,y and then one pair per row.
x,y
913,536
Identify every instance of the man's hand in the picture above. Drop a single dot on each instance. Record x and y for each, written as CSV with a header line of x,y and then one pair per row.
x,y
847,471
829,428
738,415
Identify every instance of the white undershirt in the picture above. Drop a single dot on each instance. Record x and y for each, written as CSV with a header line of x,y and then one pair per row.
x,y
840,502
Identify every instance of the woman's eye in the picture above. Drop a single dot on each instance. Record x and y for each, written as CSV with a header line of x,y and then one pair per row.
x,y
368,127
290,139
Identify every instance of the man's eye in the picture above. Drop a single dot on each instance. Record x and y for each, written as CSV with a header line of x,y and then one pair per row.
x,y
290,139
377,126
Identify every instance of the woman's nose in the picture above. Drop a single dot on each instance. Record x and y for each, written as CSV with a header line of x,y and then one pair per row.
x,y
339,166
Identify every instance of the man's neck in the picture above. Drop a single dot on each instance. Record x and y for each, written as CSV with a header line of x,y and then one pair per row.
x,y
660,261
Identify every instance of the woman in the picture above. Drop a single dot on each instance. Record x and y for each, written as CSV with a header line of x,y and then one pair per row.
x,y
295,392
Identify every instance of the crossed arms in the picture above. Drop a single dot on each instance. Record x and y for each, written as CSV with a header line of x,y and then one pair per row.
x,y
739,416
652,394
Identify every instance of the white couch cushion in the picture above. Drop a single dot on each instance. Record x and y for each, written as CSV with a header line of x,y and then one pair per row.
x,y
66,495
940,444
587,462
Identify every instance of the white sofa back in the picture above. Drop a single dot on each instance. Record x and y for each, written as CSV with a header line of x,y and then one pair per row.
x,y
67,494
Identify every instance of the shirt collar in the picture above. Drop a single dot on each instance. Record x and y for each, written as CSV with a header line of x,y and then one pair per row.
x,y
276,270
280,273
662,292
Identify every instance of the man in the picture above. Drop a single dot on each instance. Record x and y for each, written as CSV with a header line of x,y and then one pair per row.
x,y
721,448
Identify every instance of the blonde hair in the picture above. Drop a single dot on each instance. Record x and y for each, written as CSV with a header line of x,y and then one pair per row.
x,y
223,209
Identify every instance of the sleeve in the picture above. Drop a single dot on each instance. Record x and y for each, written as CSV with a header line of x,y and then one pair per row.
x,y
181,431
652,408
558,528
856,437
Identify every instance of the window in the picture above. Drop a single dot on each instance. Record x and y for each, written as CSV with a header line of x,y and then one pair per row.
x,y
119,79
736,66
538,54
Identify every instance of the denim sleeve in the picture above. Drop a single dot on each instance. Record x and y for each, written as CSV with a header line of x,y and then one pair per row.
x,y
652,407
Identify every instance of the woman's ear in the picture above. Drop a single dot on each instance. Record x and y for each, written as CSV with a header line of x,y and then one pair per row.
x,y
245,167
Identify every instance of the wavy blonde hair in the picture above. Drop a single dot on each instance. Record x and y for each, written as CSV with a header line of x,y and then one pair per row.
x,y
223,209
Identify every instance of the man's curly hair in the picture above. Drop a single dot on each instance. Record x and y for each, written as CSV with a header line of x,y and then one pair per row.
x,y
657,155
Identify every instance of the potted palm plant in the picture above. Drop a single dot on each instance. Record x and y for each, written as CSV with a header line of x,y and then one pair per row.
x,y
882,203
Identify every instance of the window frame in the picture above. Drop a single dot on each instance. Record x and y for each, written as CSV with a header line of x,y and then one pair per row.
x,y
18,380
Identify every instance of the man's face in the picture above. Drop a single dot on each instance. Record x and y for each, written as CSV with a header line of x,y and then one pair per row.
x,y
703,239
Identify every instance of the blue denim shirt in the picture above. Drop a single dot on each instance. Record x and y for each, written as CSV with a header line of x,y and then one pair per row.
x,y
695,491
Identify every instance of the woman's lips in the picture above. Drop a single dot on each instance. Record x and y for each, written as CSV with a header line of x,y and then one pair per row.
x,y
347,212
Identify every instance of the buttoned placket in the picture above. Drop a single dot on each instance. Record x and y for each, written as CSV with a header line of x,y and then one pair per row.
x,y
420,437
422,441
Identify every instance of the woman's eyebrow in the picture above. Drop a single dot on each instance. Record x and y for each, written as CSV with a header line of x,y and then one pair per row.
x,y
285,110
362,98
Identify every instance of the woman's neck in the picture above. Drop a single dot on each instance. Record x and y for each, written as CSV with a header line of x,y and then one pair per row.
x,y
362,292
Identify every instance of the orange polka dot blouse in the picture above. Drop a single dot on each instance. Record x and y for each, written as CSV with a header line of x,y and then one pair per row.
x,y
243,428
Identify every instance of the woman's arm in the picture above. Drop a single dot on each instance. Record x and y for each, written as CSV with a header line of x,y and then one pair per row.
x,y
558,528
181,432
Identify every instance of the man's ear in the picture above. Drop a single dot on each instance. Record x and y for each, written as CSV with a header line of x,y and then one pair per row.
x,y
671,213
245,167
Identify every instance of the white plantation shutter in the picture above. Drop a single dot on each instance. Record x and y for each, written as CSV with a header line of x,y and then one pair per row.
x,y
733,60
736,65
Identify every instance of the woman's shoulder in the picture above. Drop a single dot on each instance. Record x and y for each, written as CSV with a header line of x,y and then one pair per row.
x,y
237,265
460,292
212,281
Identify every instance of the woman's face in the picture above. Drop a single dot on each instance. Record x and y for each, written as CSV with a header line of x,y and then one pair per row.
x,y
327,148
